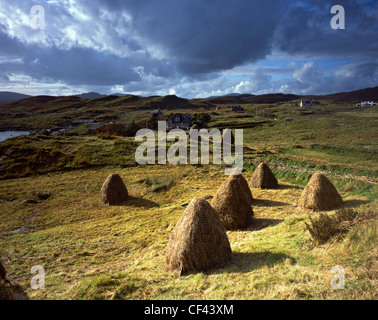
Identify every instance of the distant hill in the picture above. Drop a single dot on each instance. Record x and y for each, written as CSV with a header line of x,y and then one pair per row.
x,y
169,102
271,98
342,97
94,95
90,95
370,94
43,103
7,97
230,95
100,104
250,98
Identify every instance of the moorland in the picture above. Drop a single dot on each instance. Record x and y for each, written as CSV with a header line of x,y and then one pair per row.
x,y
51,213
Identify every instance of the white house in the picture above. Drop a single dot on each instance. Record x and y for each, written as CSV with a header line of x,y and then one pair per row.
x,y
366,104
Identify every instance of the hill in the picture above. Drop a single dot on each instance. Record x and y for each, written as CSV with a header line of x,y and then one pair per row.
x,y
37,103
250,98
89,95
345,97
53,215
7,97
50,112
368,94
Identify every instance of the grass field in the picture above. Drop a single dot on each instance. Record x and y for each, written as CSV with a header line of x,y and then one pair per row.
x,y
52,216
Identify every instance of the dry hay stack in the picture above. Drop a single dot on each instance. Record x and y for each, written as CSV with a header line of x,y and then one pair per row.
x,y
5,290
3,273
113,190
5,287
244,184
9,291
232,204
264,178
198,241
227,132
320,194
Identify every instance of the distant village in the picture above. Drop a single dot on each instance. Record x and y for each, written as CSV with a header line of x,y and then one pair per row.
x,y
173,120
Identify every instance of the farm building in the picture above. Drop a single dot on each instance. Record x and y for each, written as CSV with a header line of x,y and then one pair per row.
x,y
366,104
237,109
306,103
179,121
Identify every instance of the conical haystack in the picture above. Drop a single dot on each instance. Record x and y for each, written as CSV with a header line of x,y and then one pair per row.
x,y
5,290
3,273
244,184
232,205
198,241
320,194
264,178
113,190
5,287
226,133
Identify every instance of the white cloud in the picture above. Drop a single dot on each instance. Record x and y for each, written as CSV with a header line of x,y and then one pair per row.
x,y
191,48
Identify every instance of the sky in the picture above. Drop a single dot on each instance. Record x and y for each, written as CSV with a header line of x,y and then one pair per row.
x,y
190,48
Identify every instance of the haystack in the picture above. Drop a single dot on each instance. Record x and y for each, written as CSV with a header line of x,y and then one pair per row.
x,y
198,241
320,194
10,291
5,290
244,184
113,190
5,287
232,205
228,132
3,273
264,178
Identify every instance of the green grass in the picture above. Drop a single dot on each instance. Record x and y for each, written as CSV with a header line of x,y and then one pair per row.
x,y
36,154
95,251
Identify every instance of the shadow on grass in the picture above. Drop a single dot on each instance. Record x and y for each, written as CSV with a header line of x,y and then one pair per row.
x,y
244,262
259,224
138,202
286,187
355,203
268,203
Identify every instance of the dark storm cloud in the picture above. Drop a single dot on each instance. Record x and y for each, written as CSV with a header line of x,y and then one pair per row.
x,y
75,66
204,36
148,45
305,29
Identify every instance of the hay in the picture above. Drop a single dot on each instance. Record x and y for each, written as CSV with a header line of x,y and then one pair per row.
x,y
198,241
5,286
113,190
5,290
244,184
3,273
228,132
320,194
325,227
232,204
263,178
